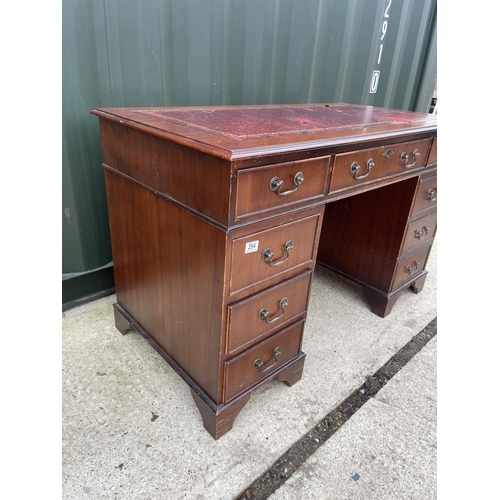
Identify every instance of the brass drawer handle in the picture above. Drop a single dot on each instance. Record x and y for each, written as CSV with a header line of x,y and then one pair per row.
x,y
432,195
422,233
412,269
267,255
258,364
276,184
405,156
264,313
355,168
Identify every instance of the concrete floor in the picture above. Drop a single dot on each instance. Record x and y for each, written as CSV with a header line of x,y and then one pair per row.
x,y
131,429
386,450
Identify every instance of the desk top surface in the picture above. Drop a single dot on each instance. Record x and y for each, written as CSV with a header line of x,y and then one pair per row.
x,y
243,131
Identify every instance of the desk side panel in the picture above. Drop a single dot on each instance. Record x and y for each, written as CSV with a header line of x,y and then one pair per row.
x,y
169,275
195,179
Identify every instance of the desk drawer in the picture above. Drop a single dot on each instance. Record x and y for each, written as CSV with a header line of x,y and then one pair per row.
x,y
263,360
359,167
262,189
409,266
269,253
433,154
419,231
426,195
255,318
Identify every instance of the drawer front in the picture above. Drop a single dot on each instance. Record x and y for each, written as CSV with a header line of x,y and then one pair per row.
x,y
262,360
263,189
257,317
359,167
426,195
410,266
433,154
265,254
419,231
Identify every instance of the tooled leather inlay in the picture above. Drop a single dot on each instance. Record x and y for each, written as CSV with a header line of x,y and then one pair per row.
x,y
258,122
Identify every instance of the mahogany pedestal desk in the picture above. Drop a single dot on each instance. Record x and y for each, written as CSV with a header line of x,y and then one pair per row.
x,y
218,216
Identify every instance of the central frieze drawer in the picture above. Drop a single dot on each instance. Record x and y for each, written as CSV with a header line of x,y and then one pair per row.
x,y
359,167
269,253
262,360
258,316
262,189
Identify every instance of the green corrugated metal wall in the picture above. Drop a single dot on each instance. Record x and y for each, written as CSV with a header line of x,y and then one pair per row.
x,y
218,52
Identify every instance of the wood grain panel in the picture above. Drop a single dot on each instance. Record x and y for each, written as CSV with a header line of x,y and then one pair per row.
x,y
169,275
190,177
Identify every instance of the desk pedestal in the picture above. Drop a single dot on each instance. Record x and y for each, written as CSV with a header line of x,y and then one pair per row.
x,y
380,239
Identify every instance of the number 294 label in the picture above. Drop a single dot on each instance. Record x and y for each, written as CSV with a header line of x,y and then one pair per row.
x,y
252,246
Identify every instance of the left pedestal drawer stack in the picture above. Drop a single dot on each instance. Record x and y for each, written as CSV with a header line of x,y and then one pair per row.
x,y
225,307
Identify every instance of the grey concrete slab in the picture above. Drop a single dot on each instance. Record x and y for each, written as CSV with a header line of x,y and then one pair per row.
x,y
386,451
131,430
414,388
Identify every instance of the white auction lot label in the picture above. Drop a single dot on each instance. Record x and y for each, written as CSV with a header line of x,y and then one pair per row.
x,y
252,246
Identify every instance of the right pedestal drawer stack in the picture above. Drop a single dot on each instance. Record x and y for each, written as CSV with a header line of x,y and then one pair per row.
x,y
420,232
382,238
